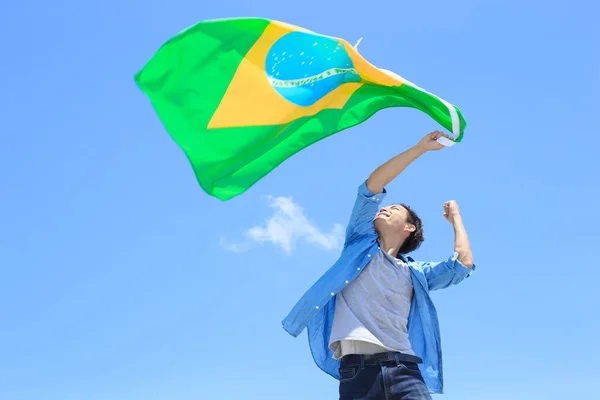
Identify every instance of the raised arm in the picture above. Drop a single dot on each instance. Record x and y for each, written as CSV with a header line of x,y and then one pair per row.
x,y
461,239
372,192
386,173
460,265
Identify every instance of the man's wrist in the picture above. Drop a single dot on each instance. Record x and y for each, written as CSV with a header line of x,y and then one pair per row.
x,y
419,149
457,220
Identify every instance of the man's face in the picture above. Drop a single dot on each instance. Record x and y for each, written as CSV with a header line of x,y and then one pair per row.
x,y
392,217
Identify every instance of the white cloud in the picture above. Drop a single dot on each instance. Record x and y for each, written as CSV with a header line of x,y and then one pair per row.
x,y
287,225
234,247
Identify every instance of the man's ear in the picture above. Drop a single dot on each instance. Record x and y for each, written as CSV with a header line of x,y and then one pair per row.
x,y
410,228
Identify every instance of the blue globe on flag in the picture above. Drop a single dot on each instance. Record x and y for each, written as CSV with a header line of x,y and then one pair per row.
x,y
304,67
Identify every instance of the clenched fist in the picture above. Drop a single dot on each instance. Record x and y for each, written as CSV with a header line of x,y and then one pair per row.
x,y
451,211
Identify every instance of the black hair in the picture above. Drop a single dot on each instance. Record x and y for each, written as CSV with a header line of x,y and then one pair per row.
x,y
414,240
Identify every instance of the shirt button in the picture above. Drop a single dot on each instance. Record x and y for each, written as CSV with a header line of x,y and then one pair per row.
x,y
346,282
333,294
317,307
358,269
368,255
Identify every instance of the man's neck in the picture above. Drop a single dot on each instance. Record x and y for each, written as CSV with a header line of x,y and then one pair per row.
x,y
390,245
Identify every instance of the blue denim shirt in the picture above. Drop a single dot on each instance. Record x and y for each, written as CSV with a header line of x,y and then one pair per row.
x,y
315,310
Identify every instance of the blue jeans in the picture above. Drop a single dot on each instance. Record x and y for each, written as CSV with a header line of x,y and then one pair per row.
x,y
385,381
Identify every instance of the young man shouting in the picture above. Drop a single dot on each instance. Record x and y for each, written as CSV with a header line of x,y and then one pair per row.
x,y
371,323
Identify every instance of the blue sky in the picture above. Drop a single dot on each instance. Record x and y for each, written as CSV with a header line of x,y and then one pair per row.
x,y
122,280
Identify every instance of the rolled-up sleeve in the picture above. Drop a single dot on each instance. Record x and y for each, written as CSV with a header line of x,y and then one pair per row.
x,y
446,273
366,206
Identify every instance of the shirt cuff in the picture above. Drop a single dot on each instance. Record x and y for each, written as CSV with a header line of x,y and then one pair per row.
x,y
367,194
459,268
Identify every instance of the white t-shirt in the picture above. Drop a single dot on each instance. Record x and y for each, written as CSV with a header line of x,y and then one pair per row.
x,y
371,313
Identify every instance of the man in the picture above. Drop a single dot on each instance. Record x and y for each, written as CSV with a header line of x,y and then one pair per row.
x,y
371,323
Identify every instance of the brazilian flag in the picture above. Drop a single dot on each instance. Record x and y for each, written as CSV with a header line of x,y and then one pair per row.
x,y
241,95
